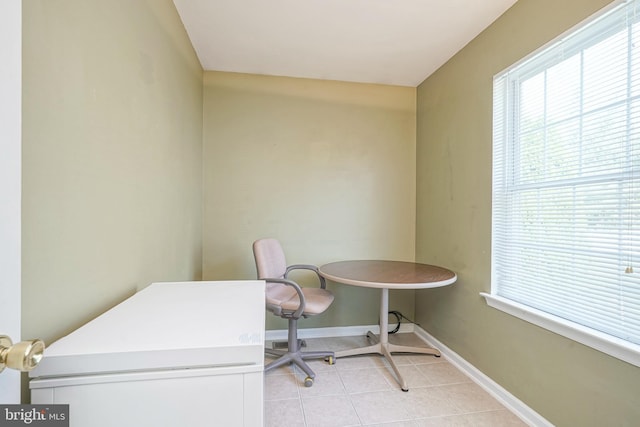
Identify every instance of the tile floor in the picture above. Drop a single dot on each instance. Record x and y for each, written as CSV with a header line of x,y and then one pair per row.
x,y
362,391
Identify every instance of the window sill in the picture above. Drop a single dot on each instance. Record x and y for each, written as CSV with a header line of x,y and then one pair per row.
x,y
610,345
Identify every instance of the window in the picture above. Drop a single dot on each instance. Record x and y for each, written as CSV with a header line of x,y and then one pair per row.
x,y
566,185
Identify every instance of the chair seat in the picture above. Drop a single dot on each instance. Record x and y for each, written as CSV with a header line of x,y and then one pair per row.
x,y
317,300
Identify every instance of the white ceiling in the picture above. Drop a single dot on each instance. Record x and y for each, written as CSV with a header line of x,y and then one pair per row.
x,y
396,42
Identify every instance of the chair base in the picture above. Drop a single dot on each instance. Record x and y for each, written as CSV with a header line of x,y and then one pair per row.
x,y
294,355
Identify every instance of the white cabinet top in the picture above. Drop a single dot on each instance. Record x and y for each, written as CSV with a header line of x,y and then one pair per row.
x,y
166,326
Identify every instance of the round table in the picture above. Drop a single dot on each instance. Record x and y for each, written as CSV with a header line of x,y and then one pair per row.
x,y
387,275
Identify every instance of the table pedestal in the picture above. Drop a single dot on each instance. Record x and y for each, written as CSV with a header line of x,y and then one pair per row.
x,y
383,347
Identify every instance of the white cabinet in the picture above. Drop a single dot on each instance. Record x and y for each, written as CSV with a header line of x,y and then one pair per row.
x,y
185,353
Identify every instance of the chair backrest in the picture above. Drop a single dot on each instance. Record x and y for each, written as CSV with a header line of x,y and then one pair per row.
x,y
271,264
270,259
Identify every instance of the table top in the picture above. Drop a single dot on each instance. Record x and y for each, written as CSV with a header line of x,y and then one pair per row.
x,y
388,274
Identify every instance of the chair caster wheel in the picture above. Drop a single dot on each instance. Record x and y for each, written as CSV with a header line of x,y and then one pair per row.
x,y
308,382
330,360
405,390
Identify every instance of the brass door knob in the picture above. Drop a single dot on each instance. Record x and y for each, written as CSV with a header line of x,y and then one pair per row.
x,y
23,356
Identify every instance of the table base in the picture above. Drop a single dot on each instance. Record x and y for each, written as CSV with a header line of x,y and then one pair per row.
x,y
382,345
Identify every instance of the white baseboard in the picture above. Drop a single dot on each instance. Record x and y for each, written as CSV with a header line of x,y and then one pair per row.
x,y
340,331
511,402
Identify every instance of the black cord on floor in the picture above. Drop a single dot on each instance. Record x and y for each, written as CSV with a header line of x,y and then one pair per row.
x,y
399,317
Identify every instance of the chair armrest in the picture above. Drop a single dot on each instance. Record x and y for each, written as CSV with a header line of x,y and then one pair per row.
x,y
296,314
323,283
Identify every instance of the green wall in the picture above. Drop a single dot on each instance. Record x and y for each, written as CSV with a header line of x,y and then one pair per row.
x,y
566,382
112,143
326,167
114,191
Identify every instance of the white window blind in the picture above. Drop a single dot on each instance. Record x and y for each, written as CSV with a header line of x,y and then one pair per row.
x,y
566,177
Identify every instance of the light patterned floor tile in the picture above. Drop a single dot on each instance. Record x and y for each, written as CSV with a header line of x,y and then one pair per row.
x,y
501,418
362,380
431,402
397,424
383,406
358,362
471,398
277,411
325,384
363,391
329,411
410,374
442,373
277,387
